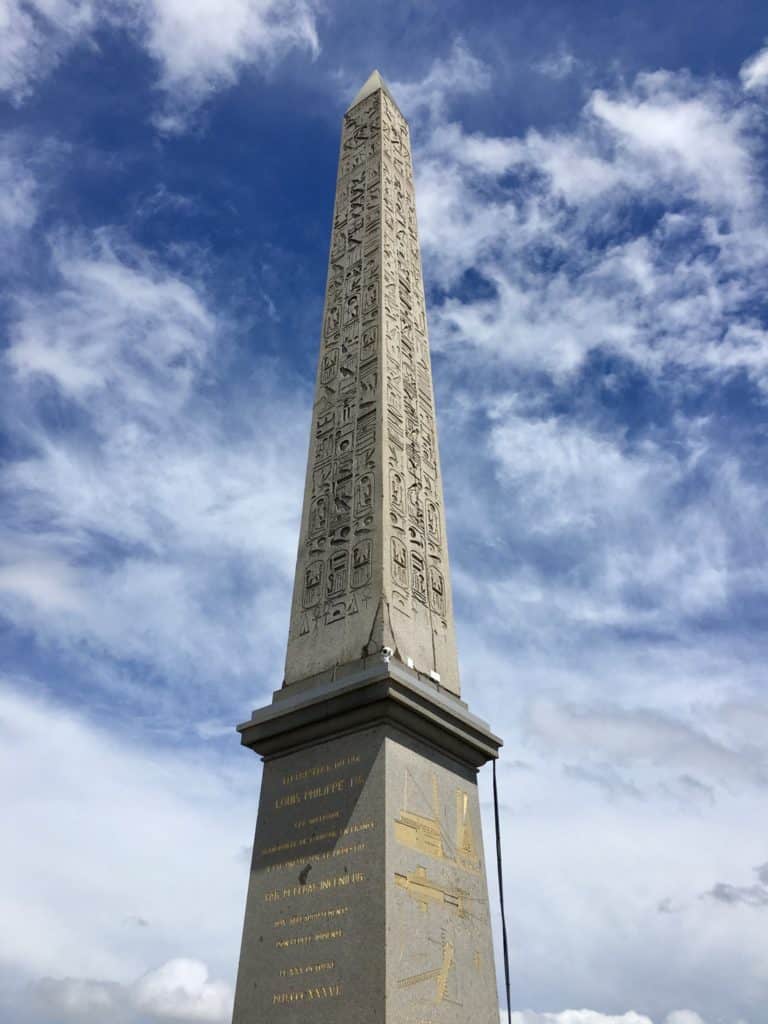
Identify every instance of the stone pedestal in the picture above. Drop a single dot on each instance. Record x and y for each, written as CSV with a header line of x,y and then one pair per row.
x,y
367,899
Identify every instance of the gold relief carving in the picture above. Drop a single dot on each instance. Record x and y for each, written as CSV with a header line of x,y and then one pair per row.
x,y
467,855
420,832
318,819
318,968
425,834
308,995
341,851
329,789
321,769
296,940
425,890
311,917
311,888
293,844
441,974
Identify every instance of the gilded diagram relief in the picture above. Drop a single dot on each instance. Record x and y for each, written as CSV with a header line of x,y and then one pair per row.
x,y
442,888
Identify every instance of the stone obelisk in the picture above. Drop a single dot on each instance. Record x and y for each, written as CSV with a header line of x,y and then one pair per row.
x,y
367,898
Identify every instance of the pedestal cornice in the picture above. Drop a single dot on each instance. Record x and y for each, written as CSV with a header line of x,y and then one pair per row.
x,y
375,690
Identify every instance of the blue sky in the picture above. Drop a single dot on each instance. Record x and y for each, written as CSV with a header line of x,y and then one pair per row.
x,y
593,213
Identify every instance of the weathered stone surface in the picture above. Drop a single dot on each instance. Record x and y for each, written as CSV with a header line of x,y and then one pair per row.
x,y
367,898
372,566
315,918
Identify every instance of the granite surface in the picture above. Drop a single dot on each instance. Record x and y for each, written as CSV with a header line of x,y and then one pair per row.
x,y
372,565
367,896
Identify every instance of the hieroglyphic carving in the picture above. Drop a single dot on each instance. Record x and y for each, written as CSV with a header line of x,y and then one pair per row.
x,y
373,529
415,515
341,489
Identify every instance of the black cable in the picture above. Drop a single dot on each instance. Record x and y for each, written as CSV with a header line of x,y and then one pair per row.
x,y
501,891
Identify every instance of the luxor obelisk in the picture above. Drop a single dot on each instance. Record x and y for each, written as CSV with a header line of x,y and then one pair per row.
x,y
367,898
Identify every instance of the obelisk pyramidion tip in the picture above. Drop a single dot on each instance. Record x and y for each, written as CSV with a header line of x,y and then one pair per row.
x,y
372,84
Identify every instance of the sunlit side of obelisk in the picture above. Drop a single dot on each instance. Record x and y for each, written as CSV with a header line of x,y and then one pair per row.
x,y
367,897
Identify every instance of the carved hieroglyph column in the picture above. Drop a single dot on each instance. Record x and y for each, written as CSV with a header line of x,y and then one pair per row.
x,y
372,568
367,898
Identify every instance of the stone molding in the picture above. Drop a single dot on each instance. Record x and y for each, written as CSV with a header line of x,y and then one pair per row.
x,y
375,690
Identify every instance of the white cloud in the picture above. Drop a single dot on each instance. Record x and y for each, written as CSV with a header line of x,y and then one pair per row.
x,y
565,276
18,190
182,990
35,35
578,1017
85,336
595,1017
178,990
154,509
122,830
458,73
687,130
198,47
618,736
50,586
201,47
754,72
78,999
557,65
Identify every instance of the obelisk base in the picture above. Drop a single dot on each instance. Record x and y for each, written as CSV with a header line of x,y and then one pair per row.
x,y
367,898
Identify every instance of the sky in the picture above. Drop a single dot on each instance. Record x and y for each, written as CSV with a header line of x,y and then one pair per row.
x,y
591,194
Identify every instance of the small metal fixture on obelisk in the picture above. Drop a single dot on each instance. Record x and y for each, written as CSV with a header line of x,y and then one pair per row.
x,y
367,898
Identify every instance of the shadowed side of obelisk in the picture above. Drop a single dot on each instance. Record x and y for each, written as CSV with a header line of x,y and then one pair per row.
x,y
314,935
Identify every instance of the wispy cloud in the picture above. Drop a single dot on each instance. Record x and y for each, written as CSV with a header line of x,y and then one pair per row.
x,y
152,504
755,895
134,830
197,48
754,72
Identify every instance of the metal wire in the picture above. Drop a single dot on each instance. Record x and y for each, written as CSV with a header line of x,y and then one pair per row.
x,y
501,891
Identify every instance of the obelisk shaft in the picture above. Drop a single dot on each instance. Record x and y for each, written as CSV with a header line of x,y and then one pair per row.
x,y
372,567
